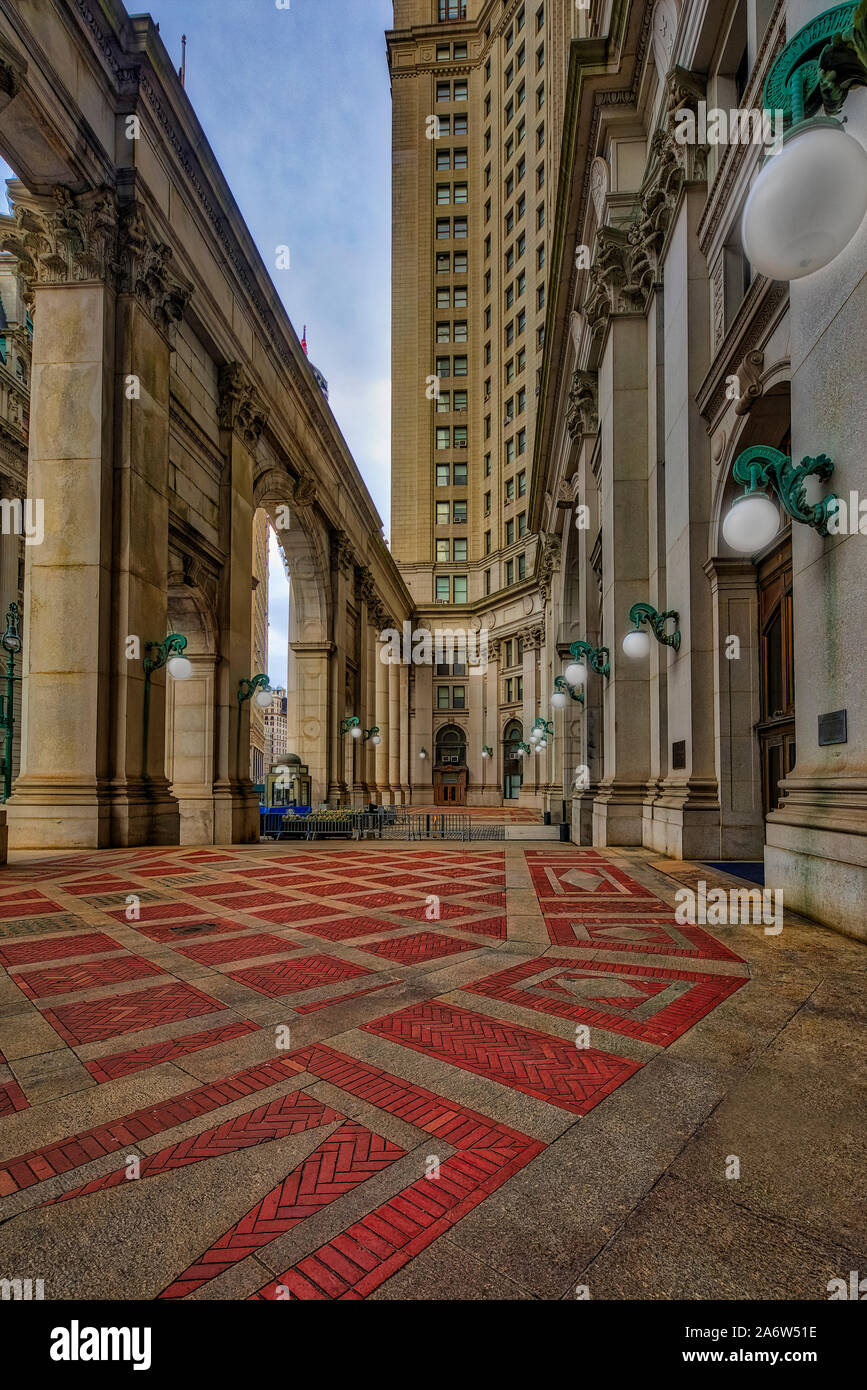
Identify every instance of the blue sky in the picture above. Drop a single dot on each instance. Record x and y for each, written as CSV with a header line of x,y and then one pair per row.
x,y
296,105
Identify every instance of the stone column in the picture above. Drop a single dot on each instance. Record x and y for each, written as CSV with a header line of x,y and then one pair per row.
x,y
242,419
737,707
423,737
395,721
405,775
66,247
381,719
617,808
341,575
150,302
495,771
190,749
816,849
313,702
533,765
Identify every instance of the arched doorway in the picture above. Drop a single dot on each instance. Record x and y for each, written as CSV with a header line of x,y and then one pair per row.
x,y
513,734
450,769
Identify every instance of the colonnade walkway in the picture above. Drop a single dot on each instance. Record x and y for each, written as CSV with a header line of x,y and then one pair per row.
x,y
435,1071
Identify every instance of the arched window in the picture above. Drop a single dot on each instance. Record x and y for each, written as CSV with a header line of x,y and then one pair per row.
x,y
451,746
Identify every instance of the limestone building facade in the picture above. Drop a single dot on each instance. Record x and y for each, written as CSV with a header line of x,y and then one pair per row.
x,y
667,357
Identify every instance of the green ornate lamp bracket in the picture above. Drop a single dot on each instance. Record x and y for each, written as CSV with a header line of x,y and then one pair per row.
x,y
247,688
523,748
486,749
597,658
353,722
545,725
644,613
815,71
562,684
764,468
370,733
173,645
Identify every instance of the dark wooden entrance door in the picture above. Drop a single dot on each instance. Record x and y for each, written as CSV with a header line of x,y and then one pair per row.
x,y
776,728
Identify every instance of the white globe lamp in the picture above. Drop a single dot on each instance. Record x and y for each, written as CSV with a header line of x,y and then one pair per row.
x,y
636,645
751,524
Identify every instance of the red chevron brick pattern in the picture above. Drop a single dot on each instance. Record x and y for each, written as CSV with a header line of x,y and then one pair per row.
x,y
346,1159
291,1114
28,905
129,1013
239,948
68,979
294,976
347,928
640,932
29,952
685,996
413,950
67,1154
142,1058
530,1062
12,1098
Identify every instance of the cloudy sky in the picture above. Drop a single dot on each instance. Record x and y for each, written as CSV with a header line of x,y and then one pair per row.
x,y
296,105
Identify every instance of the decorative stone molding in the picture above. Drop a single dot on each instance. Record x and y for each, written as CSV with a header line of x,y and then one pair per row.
x,y
582,411
303,490
241,408
12,72
144,269
749,375
533,637
63,240
344,555
549,561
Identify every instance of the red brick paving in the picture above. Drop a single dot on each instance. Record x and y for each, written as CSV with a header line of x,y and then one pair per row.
x,y
29,952
297,975
12,1098
142,1058
68,979
238,948
129,1013
425,945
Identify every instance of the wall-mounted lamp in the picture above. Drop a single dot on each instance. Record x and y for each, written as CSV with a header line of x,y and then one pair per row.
x,y
168,653
523,749
583,655
352,725
543,729
810,196
423,753
636,644
754,520
564,692
372,735
486,751
258,690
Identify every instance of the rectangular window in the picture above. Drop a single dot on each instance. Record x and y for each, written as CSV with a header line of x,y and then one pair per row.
x,y
460,159
487,582
460,92
521,245
540,97
444,437
460,226
540,57
540,257
510,334
522,401
444,53
510,370
460,513
460,400
510,451
522,441
460,52
459,692
444,228
540,137
443,552
460,331
461,125
510,571
444,159
522,524
521,321
444,91
444,263
509,690
460,436
460,475
507,655
461,263
459,552
444,194
510,533
522,567
540,297
443,513
444,475
487,465
460,193
443,691
444,299
487,317
452,9
509,490
487,504
521,359
442,589
460,366
444,402
444,365
540,216
444,127
487,542
522,483
443,332
521,283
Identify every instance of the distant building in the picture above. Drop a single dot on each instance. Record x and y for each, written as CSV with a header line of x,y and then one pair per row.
x,y
275,729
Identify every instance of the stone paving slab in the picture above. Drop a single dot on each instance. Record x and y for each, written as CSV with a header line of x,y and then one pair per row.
x,y
474,1152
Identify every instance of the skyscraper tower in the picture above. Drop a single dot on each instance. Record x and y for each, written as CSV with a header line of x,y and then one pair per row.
x,y
478,90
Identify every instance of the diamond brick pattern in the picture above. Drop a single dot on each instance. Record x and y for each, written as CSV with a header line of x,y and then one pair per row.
x,y
291,1114
691,997
637,933
346,1159
534,1063
295,976
129,1013
67,979
142,1058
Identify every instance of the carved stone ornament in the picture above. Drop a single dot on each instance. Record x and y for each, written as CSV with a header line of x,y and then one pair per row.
x,y
241,408
144,268
304,490
749,375
63,240
343,552
626,262
582,410
549,560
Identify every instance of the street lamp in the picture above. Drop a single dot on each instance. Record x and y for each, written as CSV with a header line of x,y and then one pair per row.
x,y
754,520
11,641
258,689
423,753
351,725
636,644
810,196
168,653
486,751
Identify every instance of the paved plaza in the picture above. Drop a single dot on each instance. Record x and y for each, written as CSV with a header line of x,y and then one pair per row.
x,y
344,1071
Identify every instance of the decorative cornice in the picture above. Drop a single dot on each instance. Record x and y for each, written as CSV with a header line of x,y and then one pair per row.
x,y
241,407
